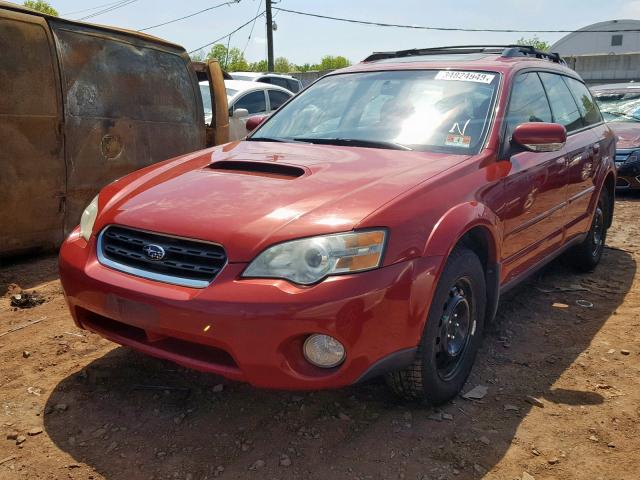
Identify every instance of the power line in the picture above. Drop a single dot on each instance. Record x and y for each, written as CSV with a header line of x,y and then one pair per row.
x,y
92,8
107,10
190,15
228,34
252,27
445,29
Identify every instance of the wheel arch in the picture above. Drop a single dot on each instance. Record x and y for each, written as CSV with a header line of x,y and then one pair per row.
x,y
610,186
476,227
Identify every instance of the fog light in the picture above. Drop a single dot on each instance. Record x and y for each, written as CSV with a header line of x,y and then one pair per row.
x,y
323,351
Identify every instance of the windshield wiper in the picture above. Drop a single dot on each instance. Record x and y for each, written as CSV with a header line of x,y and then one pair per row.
x,y
353,142
267,139
621,114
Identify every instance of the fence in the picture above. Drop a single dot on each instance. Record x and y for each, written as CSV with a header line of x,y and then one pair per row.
x,y
598,69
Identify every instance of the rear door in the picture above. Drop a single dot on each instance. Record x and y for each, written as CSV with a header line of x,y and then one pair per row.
x,y
578,149
32,179
535,187
582,176
277,98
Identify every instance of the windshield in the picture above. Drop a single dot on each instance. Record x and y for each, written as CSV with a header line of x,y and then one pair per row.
x,y
429,110
206,102
619,106
246,78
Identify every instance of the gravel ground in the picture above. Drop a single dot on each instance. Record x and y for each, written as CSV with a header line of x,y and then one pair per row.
x,y
562,401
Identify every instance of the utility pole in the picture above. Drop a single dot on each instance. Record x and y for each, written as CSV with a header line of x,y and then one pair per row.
x,y
269,37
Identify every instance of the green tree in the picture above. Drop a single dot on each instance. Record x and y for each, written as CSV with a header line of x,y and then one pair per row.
x,y
260,66
329,62
303,68
535,42
41,6
282,65
231,60
197,56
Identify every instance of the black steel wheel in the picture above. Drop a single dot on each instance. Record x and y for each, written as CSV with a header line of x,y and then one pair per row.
x,y
455,327
586,255
451,336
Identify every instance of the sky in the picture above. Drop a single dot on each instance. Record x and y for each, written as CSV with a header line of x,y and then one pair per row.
x,y
305,39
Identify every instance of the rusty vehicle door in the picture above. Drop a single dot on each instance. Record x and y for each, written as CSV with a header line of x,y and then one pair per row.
x,y
32,175
216,95
129,102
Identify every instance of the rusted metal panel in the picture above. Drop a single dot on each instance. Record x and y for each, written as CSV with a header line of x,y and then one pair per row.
x,y
211,72
87,105
128,103
32,166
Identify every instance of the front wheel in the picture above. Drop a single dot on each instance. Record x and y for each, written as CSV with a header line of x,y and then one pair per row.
x,y
586,256
452,334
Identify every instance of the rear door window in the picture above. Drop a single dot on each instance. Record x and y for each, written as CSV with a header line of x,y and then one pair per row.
x,y
281,82
294,86
563,106
586,104
277,98
253,102
528,102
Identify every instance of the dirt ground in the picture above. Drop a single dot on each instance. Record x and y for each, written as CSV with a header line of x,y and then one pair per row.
x,y
84,408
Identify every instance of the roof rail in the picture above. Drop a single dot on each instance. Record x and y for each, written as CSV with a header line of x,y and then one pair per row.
x,y
503,50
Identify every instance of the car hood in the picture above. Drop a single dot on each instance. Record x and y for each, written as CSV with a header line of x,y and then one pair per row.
x,y
628,134
264,193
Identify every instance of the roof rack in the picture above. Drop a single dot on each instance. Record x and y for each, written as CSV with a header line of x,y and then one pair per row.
x,y
503,50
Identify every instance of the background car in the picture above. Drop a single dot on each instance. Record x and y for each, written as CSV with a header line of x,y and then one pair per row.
x,y
246,100
284,81
620,107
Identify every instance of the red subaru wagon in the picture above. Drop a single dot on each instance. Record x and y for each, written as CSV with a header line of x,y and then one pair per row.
x,y
367,228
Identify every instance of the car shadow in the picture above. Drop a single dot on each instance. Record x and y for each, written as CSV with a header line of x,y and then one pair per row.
x,y
129,416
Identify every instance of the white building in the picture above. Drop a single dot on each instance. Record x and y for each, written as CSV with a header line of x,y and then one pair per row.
x,y
607,40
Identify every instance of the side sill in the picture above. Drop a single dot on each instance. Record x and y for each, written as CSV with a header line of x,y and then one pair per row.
x,y
523,276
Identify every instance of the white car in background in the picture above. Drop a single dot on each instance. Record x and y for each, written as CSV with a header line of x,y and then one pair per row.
x,y
284,81
246,100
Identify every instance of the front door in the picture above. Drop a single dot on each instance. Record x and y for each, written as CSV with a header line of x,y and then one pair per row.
x,y
533,218
255,103
32,180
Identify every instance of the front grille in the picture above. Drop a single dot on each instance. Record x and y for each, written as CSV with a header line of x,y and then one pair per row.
x,y
622,183
213,356
624,157
621,158
179,261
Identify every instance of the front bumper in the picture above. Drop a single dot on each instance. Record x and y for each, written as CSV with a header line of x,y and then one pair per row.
x,y
253,329
628,170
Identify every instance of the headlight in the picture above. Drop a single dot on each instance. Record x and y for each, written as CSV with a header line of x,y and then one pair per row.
x,y
309,260
88,219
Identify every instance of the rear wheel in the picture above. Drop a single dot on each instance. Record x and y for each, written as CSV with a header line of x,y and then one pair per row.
x,y
452,334
586,256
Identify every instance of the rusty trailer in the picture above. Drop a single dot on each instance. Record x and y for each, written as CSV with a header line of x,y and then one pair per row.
x,y
82,105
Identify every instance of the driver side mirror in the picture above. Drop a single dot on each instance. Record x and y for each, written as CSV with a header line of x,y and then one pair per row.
x,y
254,122
540,136
240,113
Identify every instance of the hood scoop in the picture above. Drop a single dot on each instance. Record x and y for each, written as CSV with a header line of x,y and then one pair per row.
x,y
263,169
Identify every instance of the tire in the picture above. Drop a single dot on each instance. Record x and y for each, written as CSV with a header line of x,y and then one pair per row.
x,y
586,256
442,365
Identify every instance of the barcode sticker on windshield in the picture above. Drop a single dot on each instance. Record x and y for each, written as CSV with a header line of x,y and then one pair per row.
x,y
465,76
